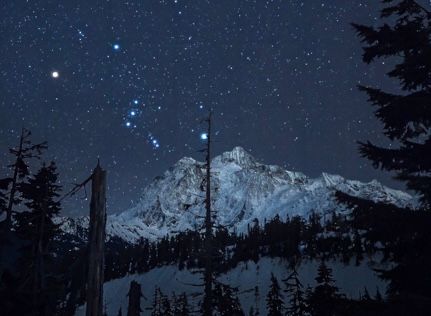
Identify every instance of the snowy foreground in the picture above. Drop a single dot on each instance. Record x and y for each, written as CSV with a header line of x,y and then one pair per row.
x,y
351,280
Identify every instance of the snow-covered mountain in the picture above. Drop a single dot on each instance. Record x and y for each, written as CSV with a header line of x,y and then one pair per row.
x,y
244,190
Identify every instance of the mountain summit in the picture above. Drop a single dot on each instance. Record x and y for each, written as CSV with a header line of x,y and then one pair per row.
x,y
243,190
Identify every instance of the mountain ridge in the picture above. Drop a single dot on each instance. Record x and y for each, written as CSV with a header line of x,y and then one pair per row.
x,y
244,190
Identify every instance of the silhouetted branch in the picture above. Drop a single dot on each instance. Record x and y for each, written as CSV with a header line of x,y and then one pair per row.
x,y
76,188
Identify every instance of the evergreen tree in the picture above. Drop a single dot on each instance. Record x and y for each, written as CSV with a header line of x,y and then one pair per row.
x,y
406,118
323,300
161,305
295,293
274,301
157,308
226,300
20,170
181,306
37,230
166,305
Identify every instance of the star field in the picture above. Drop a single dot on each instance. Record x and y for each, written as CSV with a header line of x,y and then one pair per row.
x,y
129,82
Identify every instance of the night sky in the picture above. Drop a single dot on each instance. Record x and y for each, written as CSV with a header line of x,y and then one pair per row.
x,y
129,81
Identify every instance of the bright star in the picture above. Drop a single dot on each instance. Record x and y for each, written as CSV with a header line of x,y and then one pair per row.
x,y
155,143
204,136
135,101
55,74
116,46
132,113
128,124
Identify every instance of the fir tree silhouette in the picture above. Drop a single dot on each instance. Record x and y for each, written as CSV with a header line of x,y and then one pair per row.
x,y
324,297
294,291
25,151
38,230
406,118
274,301
226,300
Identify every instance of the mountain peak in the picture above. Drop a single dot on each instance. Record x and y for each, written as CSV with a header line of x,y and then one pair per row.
x,y
237,155
186,161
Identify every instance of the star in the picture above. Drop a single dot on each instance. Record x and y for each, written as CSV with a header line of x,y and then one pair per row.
x,y
55,74
204,136
155,143
116,46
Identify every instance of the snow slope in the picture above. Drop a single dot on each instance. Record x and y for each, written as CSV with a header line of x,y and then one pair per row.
x,y
350,279
244,189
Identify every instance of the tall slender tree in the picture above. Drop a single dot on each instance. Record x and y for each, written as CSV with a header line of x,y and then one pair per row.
x,y
38,230
274,300
157,306
294,291
256,301
208,302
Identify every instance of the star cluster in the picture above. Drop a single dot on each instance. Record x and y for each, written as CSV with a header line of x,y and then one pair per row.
x,y
129,82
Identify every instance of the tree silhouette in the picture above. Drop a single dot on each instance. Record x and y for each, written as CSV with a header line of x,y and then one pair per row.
x,y
226,300
323,299
295,293
181,306
20,170
406,118
38,230
157,306
274,301
135,294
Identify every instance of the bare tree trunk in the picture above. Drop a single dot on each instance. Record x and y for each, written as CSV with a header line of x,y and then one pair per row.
x,y
39,273
208,273
96,243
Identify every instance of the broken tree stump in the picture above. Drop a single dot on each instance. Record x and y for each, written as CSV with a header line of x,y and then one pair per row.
x,y
96,243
